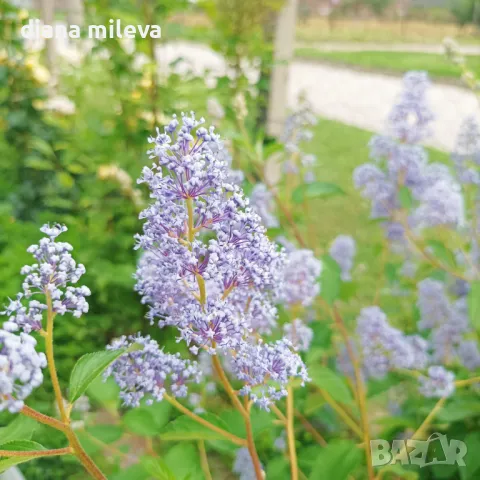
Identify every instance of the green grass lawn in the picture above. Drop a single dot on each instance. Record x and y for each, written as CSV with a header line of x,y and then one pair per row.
x,y
438,66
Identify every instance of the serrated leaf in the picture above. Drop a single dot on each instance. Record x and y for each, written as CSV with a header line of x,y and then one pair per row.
x,y
88,368
315,190
332,383
20,428
18,446
185,428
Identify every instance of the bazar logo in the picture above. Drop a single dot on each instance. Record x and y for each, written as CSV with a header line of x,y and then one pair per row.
x,y
437,450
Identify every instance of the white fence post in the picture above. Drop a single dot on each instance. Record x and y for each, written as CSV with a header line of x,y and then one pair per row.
x,y
284,50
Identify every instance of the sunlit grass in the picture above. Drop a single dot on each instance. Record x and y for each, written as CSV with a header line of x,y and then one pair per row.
x,y
318,29
438,66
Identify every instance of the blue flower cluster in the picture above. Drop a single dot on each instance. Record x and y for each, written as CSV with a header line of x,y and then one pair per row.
x,y
401,163
343,250
20,369
145,371
448,323
208,268
52,278
385,348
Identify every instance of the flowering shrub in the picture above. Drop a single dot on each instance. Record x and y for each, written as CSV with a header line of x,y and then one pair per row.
x,y
270,345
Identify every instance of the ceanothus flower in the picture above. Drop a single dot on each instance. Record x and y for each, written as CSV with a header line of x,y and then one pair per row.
x,y
262,202
385,348
448,322
410,118
466,154
265,369
439,383
300,278
400,163
20,369
441,204
207,258
296,132
146,371
215,325
469,354
209,269
343,251
243,465
433,303
53,276
298,334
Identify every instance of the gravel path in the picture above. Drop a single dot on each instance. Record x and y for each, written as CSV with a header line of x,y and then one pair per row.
x,y
376,47
355,98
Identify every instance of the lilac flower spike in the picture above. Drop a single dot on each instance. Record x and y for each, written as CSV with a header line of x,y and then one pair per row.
x,y
302,270
53,274
243,465
266,369
148,372
262,202
448,322
439,383
399,162
209,269
343,251
385,348
466,154
200,228
20,369
298,334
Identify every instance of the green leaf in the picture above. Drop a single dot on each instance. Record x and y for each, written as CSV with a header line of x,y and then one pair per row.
x,y
405,197
315,190
18,446
38,163
472,459
336,461
42,146
184,462
278,468
105,392
148,420
445,255
474,304
331,382
330,280
135,472
157,468
141,422
20,428
459,409
185,428
65,180
399,472
88,368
